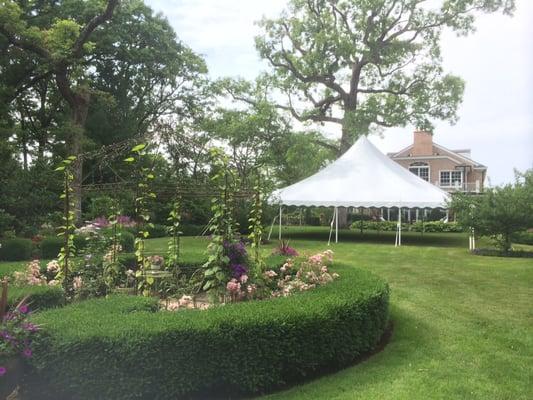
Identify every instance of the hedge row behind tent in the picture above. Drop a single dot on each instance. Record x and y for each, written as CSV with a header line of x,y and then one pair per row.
x,y
362,177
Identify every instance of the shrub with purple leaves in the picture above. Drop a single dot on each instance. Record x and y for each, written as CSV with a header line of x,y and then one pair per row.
x,y
284,249
16,335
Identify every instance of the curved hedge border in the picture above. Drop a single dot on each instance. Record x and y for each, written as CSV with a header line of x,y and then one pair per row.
x,y
119,348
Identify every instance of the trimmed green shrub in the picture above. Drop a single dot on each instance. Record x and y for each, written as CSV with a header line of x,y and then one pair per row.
x,y
16,249
158,231
501,253
436,226
523,237
119,348
50,246
41,297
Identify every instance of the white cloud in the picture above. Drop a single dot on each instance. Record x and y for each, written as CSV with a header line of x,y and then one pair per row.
x,y
496,63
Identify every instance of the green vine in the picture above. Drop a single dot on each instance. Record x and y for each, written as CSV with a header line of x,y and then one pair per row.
x,y
223,225
111,265
142,199
174,218
68,250
256,224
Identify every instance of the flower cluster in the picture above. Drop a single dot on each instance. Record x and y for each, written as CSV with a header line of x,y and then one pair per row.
x,y
16,334
103,222
113,250
156,260
238,258
300,275
31,276
241,288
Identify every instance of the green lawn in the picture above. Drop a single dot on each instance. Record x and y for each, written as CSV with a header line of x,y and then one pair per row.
x,y
463,324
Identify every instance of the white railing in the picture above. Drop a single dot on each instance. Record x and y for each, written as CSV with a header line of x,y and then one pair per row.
x,y
469,187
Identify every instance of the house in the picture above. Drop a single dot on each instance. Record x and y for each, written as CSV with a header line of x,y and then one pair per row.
x,y
451,170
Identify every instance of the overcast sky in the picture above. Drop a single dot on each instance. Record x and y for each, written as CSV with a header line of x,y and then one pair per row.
x,y
496,117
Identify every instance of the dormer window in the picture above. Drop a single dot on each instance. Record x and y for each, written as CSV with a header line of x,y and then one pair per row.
x,y
451,178
420,169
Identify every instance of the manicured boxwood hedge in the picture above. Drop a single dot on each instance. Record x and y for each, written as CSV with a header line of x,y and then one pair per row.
x,y
118,348
16,249
39,297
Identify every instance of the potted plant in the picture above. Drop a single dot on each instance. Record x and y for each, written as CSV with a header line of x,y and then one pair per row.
x,y
156,262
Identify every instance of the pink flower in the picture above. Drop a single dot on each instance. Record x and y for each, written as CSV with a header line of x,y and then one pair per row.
x,y
27,352
184,301
244,278
324,269
270,274
3,371
24,309
77,283
233,286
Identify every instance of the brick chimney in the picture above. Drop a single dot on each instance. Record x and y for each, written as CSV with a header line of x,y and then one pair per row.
x,y
422,144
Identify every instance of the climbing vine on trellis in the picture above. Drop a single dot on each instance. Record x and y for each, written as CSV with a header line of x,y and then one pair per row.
x,y
256,223
68,250
223,225
143,196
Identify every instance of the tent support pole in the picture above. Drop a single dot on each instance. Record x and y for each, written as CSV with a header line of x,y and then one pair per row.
x,y
388,214
331,224
279,233
336,225
399,229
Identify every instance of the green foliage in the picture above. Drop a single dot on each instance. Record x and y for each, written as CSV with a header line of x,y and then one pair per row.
x,y
223,226
256,222
40,297
523,238
377,61
16,249
174,219
500,212
420,226
66,230
240,348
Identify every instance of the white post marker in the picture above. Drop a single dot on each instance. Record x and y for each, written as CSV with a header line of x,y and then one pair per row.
x,y
399,229
336,225
279,233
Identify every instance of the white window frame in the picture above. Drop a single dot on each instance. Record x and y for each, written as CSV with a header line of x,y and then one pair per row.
x,y
427,166
451,180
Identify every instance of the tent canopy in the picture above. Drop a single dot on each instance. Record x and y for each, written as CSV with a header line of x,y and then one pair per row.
x,y
362,177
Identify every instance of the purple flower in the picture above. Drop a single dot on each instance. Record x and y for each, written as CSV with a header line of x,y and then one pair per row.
x,y
27,352
101,222
238,270
24,309
3,371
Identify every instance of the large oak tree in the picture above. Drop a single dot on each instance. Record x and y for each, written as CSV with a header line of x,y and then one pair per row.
x,y
363,64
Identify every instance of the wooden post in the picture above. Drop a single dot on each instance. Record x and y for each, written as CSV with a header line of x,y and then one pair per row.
x,y
3,299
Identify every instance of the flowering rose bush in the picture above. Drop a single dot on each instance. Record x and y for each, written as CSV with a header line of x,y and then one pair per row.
x,y
31,276
301,274
16,335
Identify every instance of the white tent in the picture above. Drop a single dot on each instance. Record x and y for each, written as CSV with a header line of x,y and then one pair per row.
x,y
362,177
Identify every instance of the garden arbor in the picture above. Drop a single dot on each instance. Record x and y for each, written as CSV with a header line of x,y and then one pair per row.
x,y
363,177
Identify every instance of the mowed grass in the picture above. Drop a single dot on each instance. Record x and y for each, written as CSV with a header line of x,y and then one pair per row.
x,y
463,324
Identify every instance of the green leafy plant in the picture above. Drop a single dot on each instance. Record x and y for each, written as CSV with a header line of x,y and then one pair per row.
x,y
67,229
256,223
142,199
223,225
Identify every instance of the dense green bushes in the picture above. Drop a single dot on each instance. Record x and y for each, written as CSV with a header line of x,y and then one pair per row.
x,y
429,226
40,297
119,348
523,237
16,249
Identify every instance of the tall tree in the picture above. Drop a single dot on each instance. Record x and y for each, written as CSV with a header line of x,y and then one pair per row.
x,y
366,64
59,48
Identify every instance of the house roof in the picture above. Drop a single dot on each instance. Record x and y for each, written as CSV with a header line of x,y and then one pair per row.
x,y
457,154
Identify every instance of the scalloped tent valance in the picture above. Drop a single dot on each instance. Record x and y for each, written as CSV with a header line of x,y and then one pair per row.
x,y
362,177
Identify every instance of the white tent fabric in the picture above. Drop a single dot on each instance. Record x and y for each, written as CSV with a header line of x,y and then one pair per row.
x,y
362,177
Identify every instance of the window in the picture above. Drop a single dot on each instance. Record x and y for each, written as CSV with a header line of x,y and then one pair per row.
x,y
421,170
451,178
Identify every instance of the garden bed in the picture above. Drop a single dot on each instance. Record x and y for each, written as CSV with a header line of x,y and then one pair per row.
x,y
121,348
